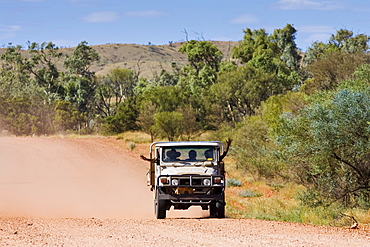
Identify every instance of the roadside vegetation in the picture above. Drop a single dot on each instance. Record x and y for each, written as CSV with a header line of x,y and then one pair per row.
x,y
300,121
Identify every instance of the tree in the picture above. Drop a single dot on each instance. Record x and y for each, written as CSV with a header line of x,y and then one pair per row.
x,y
253,41
240,92
145,119
113,89
189,124
335,67
26,106
14,77
168,79
125,119
80,82
66,117
275,50
42,66
271,68
165,98
343,41
329,63
21,116
204,63
202,53
81,60
168,124
327,145
253,147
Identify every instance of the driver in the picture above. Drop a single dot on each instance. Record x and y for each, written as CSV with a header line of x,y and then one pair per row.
x,y
173,155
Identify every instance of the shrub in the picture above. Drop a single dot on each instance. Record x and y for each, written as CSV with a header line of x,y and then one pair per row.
x,y
250,193
232,182
132,146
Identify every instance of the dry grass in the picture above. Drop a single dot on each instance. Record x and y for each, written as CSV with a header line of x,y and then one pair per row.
x,y
279,202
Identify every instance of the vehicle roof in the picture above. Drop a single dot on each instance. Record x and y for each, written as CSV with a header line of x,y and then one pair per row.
x,y
188,143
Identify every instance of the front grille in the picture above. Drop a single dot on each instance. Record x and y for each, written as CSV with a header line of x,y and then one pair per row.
x,y
190,181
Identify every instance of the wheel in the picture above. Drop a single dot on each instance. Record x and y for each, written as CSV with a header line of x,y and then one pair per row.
x,y
160,208
160,211
217,210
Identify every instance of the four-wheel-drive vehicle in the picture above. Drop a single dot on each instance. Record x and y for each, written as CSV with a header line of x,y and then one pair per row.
x,y
184,174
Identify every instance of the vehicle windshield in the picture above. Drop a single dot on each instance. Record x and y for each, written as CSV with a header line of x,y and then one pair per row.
x,y
188,153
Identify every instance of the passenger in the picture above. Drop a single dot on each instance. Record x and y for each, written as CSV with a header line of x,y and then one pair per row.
x,y
208,154
173,155
192,155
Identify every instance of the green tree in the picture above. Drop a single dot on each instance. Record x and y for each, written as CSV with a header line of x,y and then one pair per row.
x,y
66,117
253,146
269,52
202,53
335,67
27,108
343,41
327,145
42,66
113,89
14,77
271,68
81,60
204,63
169,79
80,82
168,125
335,61
165,98
145,119
189,124
20,116
125,118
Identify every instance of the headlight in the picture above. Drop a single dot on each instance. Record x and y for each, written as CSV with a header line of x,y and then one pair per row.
x,y
175,182
207,182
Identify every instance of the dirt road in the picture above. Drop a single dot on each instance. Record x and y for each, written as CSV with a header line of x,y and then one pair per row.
x,y
92,192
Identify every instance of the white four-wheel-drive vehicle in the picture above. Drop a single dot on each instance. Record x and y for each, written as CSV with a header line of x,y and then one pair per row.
x,y
184,174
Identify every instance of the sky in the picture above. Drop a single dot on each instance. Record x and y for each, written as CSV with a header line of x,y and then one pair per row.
x,y
67,23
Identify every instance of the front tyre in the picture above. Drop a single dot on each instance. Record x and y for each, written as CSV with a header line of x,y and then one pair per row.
x,y
160,207
217,210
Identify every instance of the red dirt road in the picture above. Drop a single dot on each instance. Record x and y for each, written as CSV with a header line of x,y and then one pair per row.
x,y
92,192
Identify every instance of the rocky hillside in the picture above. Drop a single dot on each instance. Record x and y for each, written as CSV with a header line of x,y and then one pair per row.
x,y
147,60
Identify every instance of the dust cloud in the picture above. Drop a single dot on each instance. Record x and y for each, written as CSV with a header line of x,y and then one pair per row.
x,y
61,177
75,178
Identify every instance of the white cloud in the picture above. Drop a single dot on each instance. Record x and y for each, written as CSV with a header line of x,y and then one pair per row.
x,y
11,28
309,4
321,37
7,32
148,13
316,33
102,17
316,29
244,19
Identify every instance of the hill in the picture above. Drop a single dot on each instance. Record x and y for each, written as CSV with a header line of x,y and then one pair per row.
x,y
147,60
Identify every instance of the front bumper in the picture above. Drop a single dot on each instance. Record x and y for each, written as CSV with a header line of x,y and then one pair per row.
x,y
202,193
